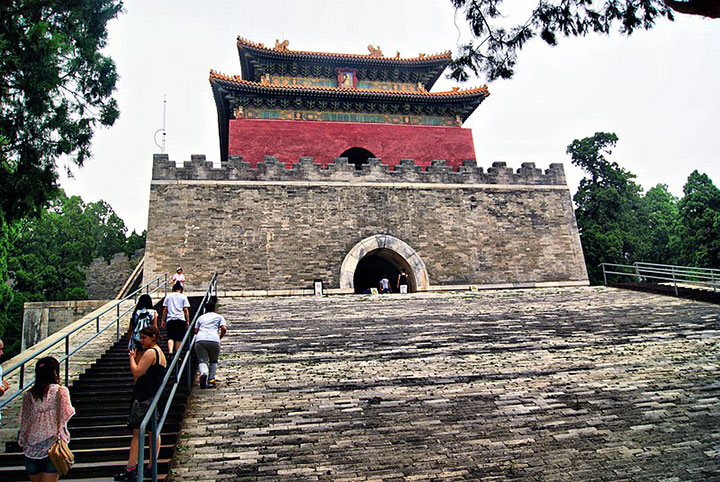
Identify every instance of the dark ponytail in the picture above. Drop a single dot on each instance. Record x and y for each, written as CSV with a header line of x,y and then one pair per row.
x,y
47,372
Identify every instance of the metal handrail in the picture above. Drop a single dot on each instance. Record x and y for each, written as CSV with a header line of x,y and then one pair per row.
x,y
712,270
20,364
183,359
705,277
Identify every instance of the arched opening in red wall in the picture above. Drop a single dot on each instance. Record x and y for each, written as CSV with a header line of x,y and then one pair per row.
x,y
357,156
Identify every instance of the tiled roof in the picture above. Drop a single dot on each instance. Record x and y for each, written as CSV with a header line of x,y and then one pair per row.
x,y
239,81
442,56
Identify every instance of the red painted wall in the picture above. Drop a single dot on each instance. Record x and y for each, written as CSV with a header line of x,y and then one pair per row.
x,y
254,138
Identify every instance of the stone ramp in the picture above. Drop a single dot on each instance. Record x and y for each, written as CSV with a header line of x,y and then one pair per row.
x,y
556,384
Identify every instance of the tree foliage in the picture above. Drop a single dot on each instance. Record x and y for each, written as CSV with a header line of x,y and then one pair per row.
x,y
619,224
6,295
608,203
699,212
659,222
55,87
494,50
48,255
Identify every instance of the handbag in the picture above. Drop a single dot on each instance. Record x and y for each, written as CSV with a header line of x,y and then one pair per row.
x,y
60,455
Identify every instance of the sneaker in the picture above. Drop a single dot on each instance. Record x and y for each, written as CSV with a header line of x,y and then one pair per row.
x,y
211,383
147,472
203,381
126,475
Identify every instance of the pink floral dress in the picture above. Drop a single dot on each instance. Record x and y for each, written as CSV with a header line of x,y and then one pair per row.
x,y
39,421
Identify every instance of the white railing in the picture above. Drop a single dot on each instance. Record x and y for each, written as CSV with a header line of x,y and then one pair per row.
x,y
668,273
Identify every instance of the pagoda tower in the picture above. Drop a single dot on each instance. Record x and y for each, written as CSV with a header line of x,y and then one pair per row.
x,y
339,171
291,104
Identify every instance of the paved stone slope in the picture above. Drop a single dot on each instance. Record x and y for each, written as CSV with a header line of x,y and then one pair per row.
x,y
576,384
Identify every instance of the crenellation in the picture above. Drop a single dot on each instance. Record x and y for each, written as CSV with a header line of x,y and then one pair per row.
x,y
374,170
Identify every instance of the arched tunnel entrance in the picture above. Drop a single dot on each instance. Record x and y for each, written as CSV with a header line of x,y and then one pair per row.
x,y
377,265
357,156
382,255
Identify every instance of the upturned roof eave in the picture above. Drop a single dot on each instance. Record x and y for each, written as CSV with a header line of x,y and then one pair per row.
x,y
428,61
335,92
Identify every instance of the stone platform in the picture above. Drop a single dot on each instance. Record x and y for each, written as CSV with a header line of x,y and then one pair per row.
x,y
582,384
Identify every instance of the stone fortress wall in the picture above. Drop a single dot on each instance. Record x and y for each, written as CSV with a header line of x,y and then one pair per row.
x,y
281,226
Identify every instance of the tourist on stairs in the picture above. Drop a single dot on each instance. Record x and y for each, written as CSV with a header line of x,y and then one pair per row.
x,y
45,412
176,315
179,276
148,375
209,329
143,315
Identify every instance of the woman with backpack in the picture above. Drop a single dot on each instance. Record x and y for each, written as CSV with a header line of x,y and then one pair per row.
x,y
144,315
46,410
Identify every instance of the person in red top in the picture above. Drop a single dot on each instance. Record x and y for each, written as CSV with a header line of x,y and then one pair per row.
x,y
45,412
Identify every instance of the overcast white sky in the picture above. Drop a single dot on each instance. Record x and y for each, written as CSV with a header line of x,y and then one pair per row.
x,y
657,90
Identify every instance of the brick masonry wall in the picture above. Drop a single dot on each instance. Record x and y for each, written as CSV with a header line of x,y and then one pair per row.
x,y
274,228
255,138
43,318
104,280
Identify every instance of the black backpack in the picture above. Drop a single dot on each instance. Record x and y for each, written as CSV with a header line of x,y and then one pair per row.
x,y
143,319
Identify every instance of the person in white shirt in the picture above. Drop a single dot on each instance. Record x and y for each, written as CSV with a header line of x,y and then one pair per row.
x,y
384,285
178,276
209,329
176,315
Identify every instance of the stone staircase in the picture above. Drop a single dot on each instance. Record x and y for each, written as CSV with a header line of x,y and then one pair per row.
x,y
100,439
590,384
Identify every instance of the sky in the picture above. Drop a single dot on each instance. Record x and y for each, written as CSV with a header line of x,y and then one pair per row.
x,y
657,90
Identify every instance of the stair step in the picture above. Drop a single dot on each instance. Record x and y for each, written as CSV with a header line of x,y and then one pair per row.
x,y
102,470
116,429
92,454
81,443
114,419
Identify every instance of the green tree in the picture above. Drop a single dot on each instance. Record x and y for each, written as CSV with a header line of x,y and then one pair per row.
x,y
607,205
48,255
6,295
699,217
55,87
134,242
494,50
659,227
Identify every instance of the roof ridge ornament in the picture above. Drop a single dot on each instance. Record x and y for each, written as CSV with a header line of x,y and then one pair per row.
x,y
282,46
375,52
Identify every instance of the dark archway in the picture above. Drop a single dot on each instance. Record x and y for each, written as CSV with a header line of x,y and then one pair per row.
x,y
357,156
377,264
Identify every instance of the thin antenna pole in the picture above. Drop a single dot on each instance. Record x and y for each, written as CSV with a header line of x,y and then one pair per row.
x,y
161,145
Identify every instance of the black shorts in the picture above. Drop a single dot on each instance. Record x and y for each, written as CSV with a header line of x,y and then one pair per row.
x,y
175,329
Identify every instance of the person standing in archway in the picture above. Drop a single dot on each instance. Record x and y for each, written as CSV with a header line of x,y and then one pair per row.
x,y
402,282
385,285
